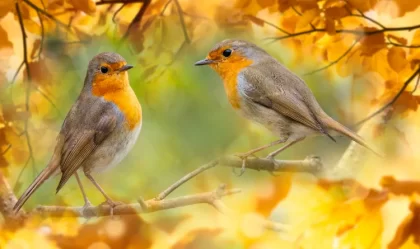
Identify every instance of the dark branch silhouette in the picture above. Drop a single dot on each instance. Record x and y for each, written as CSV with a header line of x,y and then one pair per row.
x,y
392,101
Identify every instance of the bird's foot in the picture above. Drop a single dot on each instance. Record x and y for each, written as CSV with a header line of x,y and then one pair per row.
x,y
244,158
86,211
275,164
112,204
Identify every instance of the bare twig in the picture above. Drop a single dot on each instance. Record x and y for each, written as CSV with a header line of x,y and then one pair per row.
x,y
392,101
137,19
9,146
402,45
310,164
148,206
45,13
417,84
28,88
346,31
117,11
300,14
165,7
17,72
335,61
181,19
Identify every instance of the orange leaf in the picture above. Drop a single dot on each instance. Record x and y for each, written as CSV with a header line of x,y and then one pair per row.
x,y
400,40
372,43
363,5
330,26
278,190
283,5
410,226
255,20
397,58
4,40
336,13
307,4
415,42
6,6
87,6
334,3
266,3
307,17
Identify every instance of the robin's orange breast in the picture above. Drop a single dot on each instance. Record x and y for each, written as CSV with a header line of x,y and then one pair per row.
x,y
229,72
118,91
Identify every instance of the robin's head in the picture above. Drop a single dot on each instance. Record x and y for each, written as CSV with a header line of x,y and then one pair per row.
x,y
230,55
107,72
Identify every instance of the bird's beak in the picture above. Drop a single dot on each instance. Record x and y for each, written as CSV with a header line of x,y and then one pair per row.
x,y
125,68
204,62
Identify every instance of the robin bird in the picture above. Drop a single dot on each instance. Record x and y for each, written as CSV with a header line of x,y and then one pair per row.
x,y
99,130
263,90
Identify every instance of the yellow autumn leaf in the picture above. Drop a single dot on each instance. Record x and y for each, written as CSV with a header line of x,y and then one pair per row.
x,y
6,6
87,6
307,17
397,58
4,40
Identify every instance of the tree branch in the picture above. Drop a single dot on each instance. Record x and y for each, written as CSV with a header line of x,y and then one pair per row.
x,y
148,206
28,87
335,61
347,31
311,164
393,100
137,19
7,201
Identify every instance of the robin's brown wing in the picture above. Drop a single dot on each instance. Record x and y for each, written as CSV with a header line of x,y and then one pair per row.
x,y
86,126
277,88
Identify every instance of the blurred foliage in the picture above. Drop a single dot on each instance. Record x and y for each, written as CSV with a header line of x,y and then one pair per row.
x,y
359,54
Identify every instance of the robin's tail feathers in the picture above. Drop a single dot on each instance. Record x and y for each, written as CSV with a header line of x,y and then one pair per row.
x,y
41,178
334,125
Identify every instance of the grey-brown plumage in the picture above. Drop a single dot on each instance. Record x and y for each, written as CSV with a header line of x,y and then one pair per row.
x,y
271,94
94,134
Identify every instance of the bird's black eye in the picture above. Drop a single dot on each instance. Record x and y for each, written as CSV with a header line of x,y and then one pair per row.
x,y
227,52
104,70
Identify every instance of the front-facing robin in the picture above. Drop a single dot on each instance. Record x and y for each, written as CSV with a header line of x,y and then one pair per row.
x,y
265,91
99,130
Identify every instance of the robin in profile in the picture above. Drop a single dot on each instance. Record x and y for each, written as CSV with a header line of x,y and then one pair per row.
x,y
99,130
263,90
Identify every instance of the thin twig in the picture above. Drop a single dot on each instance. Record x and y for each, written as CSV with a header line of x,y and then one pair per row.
x,y
300,14
417,84
347,31
9,146
335,61
148,206
165,7
310,164
137,19
117,11
402,45
118,1
28,88
45,13
181,19
392,101
17,72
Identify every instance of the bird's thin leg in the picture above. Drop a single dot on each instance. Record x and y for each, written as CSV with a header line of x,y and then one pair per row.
x,y
110,202
87,202
244,156
289,143
273,154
